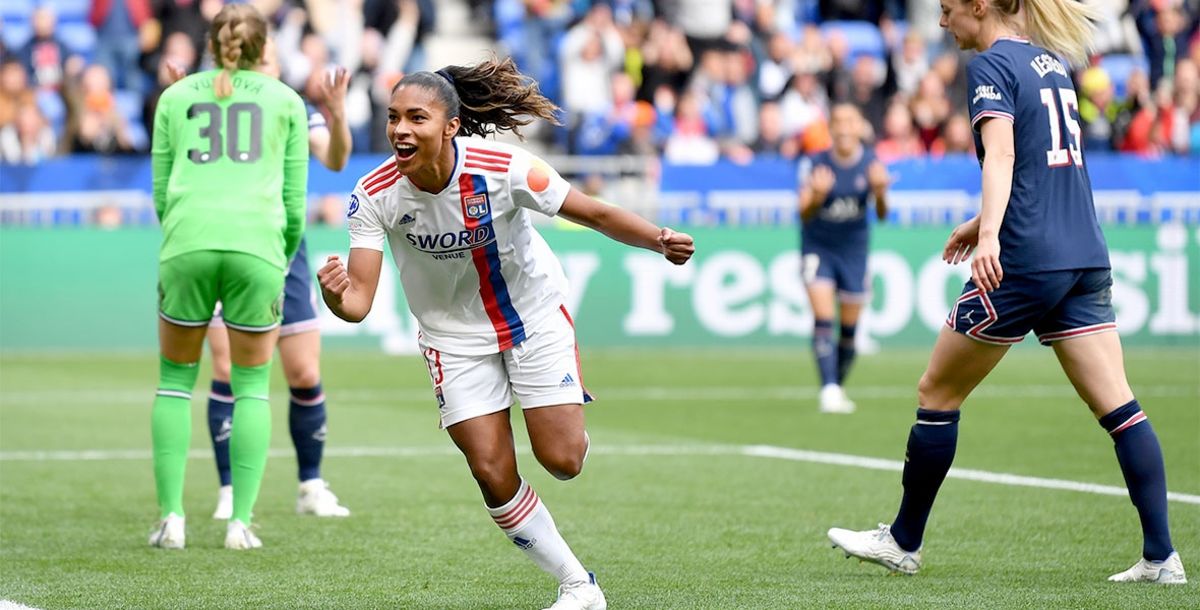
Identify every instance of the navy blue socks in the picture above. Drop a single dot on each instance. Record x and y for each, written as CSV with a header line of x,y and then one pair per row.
x,y
220,426
306,418
931,445
1141,462
845,352
824,351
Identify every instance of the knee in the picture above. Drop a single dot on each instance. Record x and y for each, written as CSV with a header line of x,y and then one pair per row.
x,y
221,369
565,461
494,475
937,396
307,375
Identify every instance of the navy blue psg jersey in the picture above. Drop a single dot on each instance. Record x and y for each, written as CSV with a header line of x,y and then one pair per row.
x,y
1050,223
842,221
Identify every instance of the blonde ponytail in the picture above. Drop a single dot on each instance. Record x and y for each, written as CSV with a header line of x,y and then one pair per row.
x,y
1064,27
238,36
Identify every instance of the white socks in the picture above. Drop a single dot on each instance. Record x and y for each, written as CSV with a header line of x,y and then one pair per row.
x,y
527,522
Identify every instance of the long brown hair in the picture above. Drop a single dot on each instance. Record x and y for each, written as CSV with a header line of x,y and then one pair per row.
x,y
488,97
238,36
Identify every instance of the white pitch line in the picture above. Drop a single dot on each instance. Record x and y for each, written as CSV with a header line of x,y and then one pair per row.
x,y
983,476
757,451
645,393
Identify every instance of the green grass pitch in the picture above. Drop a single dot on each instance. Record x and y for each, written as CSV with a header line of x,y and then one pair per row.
x,y
670,511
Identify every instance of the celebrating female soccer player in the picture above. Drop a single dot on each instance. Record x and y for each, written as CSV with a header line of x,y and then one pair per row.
x,y
1040,263
836,186
230,159
485,287
299,335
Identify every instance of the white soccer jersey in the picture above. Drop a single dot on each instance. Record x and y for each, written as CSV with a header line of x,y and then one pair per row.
x,y
475,273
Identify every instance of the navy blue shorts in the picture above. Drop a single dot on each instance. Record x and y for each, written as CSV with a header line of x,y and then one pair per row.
x,y
299,298
847,271
1055,305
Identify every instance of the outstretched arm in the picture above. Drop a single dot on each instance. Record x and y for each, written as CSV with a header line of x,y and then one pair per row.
x,y
626,227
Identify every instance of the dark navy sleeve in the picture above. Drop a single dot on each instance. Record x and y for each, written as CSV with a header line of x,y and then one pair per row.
x,y
316,120
991,87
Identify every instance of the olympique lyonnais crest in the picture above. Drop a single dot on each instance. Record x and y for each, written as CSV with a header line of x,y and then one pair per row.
x,y
476,206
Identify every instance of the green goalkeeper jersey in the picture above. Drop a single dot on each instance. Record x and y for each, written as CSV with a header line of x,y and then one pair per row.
x,y
231,174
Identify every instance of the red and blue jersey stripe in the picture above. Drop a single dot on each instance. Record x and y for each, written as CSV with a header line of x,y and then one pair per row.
x,y
497,302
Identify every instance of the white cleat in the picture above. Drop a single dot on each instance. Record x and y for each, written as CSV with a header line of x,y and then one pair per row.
x,y
224,503
1167,572
584,595
239,537
876,546
834,400
169,534
316,499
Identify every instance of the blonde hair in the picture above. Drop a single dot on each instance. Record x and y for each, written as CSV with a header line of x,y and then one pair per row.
x,y
1063,27
238,36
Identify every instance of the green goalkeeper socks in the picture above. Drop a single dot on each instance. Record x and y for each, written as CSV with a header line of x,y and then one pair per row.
x,y
251,435
171,431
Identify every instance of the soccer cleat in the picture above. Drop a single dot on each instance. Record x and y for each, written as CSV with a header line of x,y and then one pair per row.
x,y
239,537
316,499
224,503
584,595
876,546
834,400
169,534
1167,572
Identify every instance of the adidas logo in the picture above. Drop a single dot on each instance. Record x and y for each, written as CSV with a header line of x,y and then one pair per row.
x,y
407,219
567,381
225,431
523,543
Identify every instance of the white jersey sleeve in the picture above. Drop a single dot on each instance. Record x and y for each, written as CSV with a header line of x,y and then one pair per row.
x,y
363,220
535,185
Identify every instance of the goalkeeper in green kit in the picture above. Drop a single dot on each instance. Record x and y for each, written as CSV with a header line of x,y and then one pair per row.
x,y
230,154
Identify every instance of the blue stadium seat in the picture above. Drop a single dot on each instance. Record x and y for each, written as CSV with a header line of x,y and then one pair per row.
x,y
52,107
75,10
16,34
137,133
11,10
1120,66
862,37
129,104
78,36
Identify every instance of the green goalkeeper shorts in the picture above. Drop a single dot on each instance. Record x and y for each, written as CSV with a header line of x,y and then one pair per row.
x,y
249,289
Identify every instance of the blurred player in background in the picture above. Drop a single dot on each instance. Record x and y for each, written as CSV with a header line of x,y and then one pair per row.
x,y
836,189
486,289
299,336
1040,263
230,155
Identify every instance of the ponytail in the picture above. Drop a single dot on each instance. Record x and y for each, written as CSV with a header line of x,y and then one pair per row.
x,y
488,97
238,36
1064,27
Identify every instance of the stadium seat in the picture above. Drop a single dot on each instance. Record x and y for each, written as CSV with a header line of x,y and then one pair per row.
x,y
52,107
862,37
16,34
1119,67
78,36
75,10
129,104
13,10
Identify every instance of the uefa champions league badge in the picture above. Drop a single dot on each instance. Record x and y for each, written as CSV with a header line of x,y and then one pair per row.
x,y
353,205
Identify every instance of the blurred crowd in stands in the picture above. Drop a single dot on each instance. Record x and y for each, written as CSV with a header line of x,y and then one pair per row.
x,y
690,80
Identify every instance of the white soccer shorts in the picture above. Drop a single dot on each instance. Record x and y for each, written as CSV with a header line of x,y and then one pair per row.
x,y
541,371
